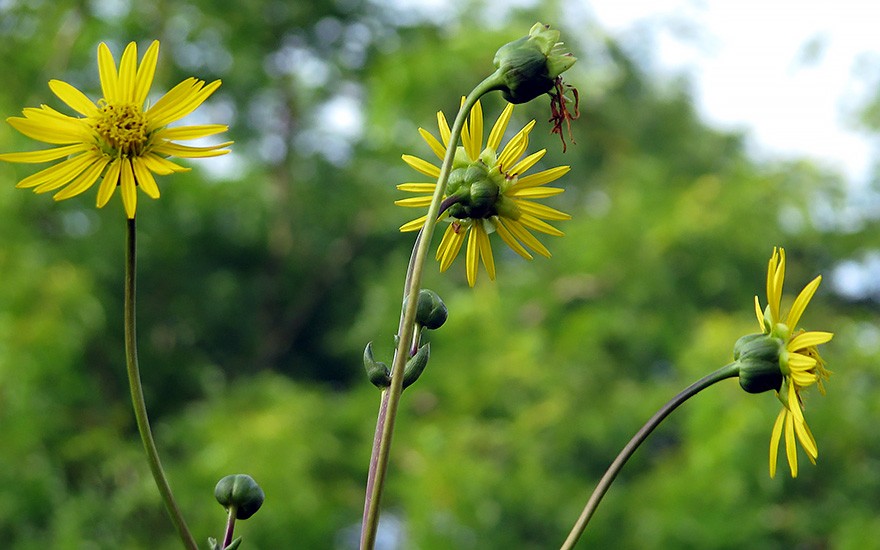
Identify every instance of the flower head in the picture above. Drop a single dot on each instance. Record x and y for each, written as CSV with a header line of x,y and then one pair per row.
x,y
486,192
798,359
531,65
118,140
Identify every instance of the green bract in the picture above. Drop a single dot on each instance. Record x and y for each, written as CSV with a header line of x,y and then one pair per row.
x,y
758,356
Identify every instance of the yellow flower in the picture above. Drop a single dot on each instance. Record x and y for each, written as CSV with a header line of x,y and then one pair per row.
x,y
486,192
800,363
119,139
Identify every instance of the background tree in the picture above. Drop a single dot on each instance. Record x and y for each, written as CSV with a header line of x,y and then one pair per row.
x,y
262,280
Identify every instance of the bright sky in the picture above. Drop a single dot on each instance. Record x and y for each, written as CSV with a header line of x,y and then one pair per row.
x,y
788,71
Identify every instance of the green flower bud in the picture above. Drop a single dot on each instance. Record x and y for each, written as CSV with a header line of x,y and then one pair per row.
x,y
416,365
377,372
529,66
758,356
431,312
239,494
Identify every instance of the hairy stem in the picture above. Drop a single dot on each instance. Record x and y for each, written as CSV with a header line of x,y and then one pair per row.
x,y
137,392
727,371
391,396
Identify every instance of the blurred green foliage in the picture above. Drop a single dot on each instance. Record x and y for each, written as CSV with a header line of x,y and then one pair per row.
x,y
263,274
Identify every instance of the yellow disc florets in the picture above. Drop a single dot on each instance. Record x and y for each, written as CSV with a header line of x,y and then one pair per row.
x,y
122,127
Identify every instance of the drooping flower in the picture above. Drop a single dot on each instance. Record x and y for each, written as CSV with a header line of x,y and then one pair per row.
x,y
486,192
118,140
799,362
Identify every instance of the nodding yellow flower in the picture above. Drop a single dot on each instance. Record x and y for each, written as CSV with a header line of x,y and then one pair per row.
x,y
799,361
487,192
118,140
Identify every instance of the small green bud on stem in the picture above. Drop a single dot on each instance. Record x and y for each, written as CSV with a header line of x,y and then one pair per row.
x,y
377,372
431,312
416,365
240,494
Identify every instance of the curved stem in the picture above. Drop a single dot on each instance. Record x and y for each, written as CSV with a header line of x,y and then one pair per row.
x,y
727,371
137,393
391,396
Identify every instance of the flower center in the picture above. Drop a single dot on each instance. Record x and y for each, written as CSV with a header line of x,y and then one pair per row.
x,y
123,127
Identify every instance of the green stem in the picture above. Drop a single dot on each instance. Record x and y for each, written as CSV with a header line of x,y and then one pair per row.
x,y
137,393
391,396
230,528
728,371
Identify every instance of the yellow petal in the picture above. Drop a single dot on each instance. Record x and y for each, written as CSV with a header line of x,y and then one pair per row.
x,y
800,303
128,73
445,133
432,142
759,313
797,361
526,163
190,132
63,171
472,133
418,187
803,378
808,442
161,165
107,72
498,129
422,166
534,192
775,436
179,102
48,130
790,447
526,238
84,181
185,151
414,202
144,178
807,339
515,147
542,177
538,225
451,243
471,257
109,184
45,155
128,188
145,73
509,239
775,282
485,248
414,225
541,211
74,98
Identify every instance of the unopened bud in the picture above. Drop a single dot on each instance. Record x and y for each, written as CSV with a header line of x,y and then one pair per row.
x,y
529,66
240,494
377,372
431,312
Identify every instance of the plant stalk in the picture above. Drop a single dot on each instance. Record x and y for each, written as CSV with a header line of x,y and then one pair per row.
x,y
137,393
727,371
391,396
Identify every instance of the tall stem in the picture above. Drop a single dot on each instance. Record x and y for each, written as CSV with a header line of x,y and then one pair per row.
x,y
137,393
391,396
727,371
